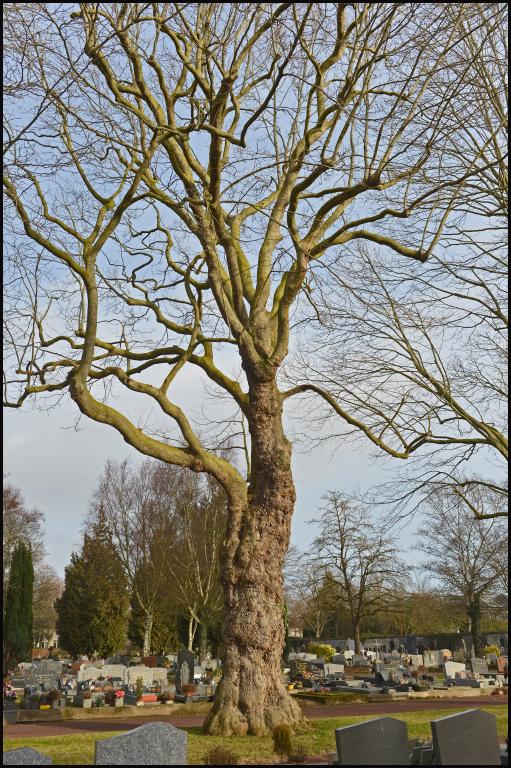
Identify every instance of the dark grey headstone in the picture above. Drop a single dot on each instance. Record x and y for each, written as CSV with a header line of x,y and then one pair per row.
x,y
467,738
479,666
383,741
25,756
185,661
151,744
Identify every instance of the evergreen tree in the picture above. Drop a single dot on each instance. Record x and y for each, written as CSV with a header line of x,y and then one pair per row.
x,y
18,607
74,611
93,610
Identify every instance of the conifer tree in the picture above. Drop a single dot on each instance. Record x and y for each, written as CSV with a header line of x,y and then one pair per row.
x,y
93,609
18,607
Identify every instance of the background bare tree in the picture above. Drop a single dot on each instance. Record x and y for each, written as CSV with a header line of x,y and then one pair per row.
x,y
141,530
360,557
468,556
48,587
311,596
19,524
192,558
178,174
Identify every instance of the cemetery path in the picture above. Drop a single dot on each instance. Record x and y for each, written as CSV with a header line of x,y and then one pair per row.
x,y
314,712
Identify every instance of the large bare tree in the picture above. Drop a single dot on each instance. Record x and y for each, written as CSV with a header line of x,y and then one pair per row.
x,y
176,174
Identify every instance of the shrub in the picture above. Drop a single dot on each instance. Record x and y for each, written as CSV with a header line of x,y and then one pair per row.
x,y
282,740
322,651
99,701
491,649
298,755
220,756
139,686
53,695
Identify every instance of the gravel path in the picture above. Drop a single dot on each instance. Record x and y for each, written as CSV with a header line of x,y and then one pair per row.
x,y
314,712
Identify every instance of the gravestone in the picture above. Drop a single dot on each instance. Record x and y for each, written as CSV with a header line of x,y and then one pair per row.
x,y
150,744
339,658
383,741
451,667
113,670
416,660
467,738
433,658
185,669
422,755
132,673
160,675
359,661
479,666
88,673
331,669
25,756
502,664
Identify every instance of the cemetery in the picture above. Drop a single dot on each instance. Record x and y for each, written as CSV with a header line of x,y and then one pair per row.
x,y
104,686
255,384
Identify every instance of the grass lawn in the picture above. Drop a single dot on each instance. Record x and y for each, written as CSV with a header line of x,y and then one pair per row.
x,y
79,749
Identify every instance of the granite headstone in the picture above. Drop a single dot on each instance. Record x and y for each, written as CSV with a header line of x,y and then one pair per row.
x,y
150,744
466,738
25,756
479,666
451,667
383,741
185,669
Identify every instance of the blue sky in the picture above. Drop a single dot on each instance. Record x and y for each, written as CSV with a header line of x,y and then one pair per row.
x,y
57,468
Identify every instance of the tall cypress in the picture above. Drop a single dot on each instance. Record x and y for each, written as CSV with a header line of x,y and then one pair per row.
x,y
18,607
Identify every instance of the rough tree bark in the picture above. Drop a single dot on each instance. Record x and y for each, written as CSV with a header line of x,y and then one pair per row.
x,y
203,641
251,697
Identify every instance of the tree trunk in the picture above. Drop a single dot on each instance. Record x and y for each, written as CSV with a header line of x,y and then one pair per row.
x,y
356,632
192,629
474,613
148,628
203,641
251,697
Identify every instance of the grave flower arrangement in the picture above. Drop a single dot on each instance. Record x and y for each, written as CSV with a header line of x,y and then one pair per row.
x,y
99,701
189,689
9,693
119,694
165,697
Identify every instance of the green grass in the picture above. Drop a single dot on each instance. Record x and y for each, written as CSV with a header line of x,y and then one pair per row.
x,y
79,749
